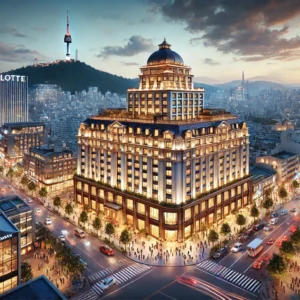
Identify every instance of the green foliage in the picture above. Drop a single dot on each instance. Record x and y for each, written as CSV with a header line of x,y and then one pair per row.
x,y
203,228
24,180
10,173
31,186
1,170
57,202
86,207
295,237
254,212
68,209
240,220
268,192
144,232
287,249
212,236
225,229
277,267
43,192
109,229
125,237
97,224
26,272
83,217
268,203
295,184
282,193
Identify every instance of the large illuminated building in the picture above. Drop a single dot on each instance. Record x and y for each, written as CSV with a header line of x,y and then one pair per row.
x,y
165,164
13,98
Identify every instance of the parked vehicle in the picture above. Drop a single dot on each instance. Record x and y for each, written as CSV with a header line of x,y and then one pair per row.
x,y
237,247
274,215
283,212
258,226
108,282
293,228
48,221
246,235
257,264
268,228
62,238
255,247
221,252
293,210
29,200
106,250
79,232
37,210
274,221
270,242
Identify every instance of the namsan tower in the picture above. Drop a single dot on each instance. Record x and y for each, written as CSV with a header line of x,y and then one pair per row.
x,y
68,38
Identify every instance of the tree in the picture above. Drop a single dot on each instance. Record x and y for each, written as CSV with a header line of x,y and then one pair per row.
x,y
268,192
203,228
268,203
212,236
295,237
10,174
240,220
43,192
109,230
225,229
1,170
68,209
83,217
31,186
282,193
86,207
295,184
287,249
57,202
26,272
277,267
97,224
254,212
24,180
125,237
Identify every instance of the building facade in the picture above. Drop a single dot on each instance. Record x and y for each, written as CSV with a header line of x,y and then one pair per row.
x,y
10,261
17,138
22,216
13,98
166,164
52,168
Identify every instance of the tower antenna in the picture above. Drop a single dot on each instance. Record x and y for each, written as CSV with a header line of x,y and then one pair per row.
x,y
68,38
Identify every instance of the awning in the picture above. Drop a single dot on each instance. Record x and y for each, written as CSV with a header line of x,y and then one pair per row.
x,y
114,206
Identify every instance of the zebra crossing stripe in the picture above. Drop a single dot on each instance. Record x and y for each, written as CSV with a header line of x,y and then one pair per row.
x,y
232,278
135,270
258,287
222,270
257,283
228,274
131,272
121,276
124,274
116,279
97,288
241,279
237,278
207,267
232,275
206,263
250,282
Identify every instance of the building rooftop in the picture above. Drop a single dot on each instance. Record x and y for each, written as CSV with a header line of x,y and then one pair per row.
x,y
284,155
259,173
23,124
13,203
6,226
38,288
50,152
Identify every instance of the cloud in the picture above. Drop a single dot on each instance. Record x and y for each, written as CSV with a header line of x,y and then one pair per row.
x,y
125,63
211,62
136,44
12,31
12,53
253,30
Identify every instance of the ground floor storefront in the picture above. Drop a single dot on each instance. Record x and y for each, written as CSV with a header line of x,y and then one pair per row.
x,y
164,222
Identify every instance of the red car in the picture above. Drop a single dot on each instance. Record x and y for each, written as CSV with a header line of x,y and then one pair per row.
x,y
270,242
106,250
293,228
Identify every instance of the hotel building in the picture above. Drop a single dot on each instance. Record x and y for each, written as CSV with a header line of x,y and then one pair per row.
x,y
165,164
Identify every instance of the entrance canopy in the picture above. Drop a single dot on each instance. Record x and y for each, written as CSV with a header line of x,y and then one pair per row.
x,y
114,206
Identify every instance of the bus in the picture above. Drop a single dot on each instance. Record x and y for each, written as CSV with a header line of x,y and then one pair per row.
x,y
255,247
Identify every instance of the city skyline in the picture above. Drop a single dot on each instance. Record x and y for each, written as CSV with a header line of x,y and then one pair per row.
x,y
115,36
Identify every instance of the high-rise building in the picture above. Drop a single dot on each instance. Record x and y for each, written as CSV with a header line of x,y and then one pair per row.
x,y
165,164
68,39
13,98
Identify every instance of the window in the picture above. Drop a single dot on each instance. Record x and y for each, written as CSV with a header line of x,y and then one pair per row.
x,y
129,204
154,213
94,191
211,203
245,187
170,218
232,192
187,214
141,208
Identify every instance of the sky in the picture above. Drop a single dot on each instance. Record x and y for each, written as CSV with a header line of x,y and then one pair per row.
x,y
217,38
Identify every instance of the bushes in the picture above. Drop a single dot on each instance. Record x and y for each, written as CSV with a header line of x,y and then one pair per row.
x,y
214,249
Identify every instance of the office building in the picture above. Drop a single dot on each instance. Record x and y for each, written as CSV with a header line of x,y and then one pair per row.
x,y
13,98
10,261
165,164
51,167
17,138
21,215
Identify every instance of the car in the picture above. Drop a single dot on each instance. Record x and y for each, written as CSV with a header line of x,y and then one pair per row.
x,y
38,210
106,250
293,210
246,235
268,228
48,221
237,247
274,214
62,238
283,239
221,252
29,200
108,282
274,221
293,228
270,242
258,227
9,186
257,264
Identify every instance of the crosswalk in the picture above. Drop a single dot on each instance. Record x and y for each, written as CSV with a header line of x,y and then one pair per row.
x,y
236,278
89,295
122,276
104,272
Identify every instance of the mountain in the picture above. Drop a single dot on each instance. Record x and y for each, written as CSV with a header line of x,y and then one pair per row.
x,y
207,88
75,76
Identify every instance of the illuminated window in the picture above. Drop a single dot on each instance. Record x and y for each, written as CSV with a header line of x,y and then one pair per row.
x,y
154,214
141,208
129,204
187,214
211,203
170,218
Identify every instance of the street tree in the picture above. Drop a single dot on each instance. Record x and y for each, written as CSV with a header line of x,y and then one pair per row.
x,y
212,236
83,217
295,184
109,230
295,237
57,202
1,170
24,180
26,272
68,209
10,174
125,237
254,212
97,224
43,192
31,187
225,229
240,220
287,249
268,192
267,204
203,228
282,194
277,266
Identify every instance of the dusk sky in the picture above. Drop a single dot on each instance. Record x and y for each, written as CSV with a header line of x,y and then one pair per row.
x,y
217,38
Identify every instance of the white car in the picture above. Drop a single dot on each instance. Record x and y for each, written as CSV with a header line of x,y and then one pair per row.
x,y
48,221
62,238
237,247
268,228
29,200
108,282
274,221
38,210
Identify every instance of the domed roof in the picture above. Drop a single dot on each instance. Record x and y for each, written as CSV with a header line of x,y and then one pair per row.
x,y
164,55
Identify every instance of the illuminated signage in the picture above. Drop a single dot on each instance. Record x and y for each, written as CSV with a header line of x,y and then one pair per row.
x,y
17,78
2,238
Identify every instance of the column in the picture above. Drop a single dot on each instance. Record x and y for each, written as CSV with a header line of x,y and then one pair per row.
x,y
201,175
216,170
149,177
161,224
161,180
247,159
105,166
141,175
123,171
230,165
79,159
241,161
113,168
207,166
193,177
177,182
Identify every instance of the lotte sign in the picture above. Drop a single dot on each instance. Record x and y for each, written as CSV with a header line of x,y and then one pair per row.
x,y
16,78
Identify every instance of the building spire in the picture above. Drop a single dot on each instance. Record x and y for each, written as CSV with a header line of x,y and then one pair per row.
x,y
68,24
68,38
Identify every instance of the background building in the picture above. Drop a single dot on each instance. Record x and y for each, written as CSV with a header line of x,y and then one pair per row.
x,y
10,261
165,164
17,138
13,98
52,168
